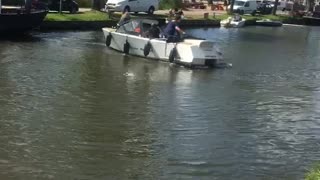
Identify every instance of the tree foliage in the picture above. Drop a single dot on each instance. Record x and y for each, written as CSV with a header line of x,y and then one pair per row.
x,y
314,173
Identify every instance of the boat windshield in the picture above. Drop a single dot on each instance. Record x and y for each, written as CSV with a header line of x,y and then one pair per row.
x,y
136,27
239,3
129,27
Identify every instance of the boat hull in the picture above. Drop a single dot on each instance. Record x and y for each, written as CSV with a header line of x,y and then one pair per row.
x,y
271,23
188,52
12,22
313,21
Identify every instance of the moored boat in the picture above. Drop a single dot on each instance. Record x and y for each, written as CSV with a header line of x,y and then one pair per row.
x,y
235,22
20,20
310,20
130,38
268,22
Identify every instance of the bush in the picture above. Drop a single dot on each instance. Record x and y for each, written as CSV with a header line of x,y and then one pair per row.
x,y
168,4
85,3
314,173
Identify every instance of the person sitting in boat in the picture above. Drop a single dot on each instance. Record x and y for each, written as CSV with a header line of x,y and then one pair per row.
x,y
171,13
137,30
237,17
176,12
153,32
172,31
124,18
180,13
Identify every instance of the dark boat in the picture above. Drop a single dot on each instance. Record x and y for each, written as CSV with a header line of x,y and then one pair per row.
x,y
20,20
312,21
312,18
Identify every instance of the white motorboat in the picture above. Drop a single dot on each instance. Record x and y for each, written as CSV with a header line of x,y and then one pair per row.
x,y
268,22
233,22
130,38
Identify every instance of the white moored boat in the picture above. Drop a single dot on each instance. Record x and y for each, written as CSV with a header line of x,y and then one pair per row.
x,y
232,22
268,22
130,39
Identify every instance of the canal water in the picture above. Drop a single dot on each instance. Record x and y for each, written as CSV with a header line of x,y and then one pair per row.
x,y
73,109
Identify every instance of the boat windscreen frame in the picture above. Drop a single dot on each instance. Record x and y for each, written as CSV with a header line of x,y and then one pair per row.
x,y
130,26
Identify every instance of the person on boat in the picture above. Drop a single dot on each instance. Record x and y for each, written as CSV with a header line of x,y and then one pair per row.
x,y
171,13
153,32
237,17
124,18
172,31
137,30
180,13
176,11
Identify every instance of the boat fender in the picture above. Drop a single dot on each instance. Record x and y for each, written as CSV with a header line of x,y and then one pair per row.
x,y
126,47
147,49
172,55
108,39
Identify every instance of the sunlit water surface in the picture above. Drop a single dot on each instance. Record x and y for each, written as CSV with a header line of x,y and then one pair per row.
x,y
70,108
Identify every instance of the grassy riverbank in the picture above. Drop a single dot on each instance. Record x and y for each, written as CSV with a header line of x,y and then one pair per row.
x,y
82,16
92,16
102,16
314,173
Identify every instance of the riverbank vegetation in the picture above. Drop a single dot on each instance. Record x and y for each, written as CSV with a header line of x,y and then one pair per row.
x,y
283,18
83,16
102,16
314,173
168,4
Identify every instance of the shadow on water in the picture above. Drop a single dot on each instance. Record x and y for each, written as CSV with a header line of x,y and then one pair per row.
x,y
24,37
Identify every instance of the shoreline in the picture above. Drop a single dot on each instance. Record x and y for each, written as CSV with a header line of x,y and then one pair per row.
x,y
95,20
97,25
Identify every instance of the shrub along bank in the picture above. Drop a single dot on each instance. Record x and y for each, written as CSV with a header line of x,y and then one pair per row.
x,y
82,16
314,173
168,4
